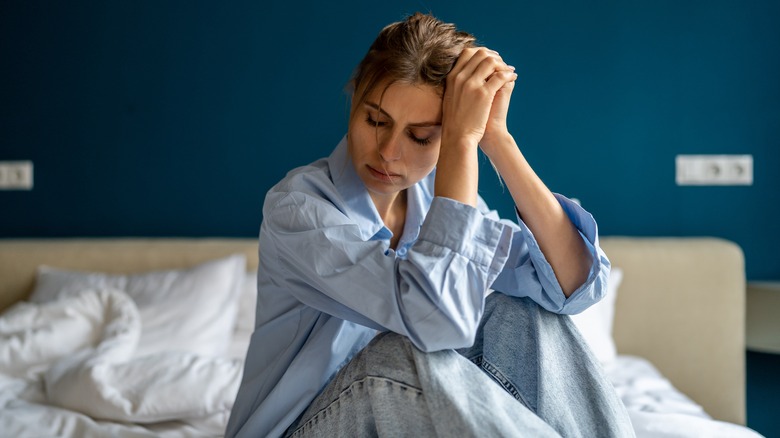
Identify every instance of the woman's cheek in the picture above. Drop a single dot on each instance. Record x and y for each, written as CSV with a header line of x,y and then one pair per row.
x,y
429,162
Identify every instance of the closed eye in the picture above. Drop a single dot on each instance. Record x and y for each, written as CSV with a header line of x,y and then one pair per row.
x,y
377,124
420,141
374,123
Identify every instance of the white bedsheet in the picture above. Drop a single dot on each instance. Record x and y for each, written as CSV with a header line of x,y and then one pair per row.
x,y
658,410
67,369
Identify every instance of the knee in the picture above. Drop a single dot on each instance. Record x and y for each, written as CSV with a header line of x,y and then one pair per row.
x,y
504,312
388,355
499,303
499,306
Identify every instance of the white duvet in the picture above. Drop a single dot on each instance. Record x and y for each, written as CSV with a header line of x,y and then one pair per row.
x,y
67,368
658,410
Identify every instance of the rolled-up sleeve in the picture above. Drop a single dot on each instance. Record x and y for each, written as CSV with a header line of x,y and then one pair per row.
x,y
435,296
527,273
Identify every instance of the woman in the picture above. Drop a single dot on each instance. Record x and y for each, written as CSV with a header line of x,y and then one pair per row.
x,y
375,314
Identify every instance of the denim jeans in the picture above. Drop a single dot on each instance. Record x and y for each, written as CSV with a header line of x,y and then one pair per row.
x,y
528,374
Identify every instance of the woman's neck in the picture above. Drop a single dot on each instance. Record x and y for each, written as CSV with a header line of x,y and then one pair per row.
x,y
392,210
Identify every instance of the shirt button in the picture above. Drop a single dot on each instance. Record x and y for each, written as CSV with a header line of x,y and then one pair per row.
x,y
401,252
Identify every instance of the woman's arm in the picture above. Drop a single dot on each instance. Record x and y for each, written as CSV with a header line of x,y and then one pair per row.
x,y
474,109
313,251
557,237
472,85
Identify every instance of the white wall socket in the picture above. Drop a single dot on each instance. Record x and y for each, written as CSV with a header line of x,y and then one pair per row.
x,y
714,170
16,175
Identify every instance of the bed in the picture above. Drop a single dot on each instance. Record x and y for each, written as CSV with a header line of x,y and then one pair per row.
x,y
145,337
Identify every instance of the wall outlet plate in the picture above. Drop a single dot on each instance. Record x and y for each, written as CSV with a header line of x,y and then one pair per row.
x,y
16,175
714,170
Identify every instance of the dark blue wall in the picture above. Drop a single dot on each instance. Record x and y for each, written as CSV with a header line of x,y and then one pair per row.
x,y
149,118
763,392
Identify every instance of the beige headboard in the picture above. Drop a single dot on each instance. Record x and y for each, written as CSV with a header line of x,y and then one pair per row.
x,y
681,304
19,258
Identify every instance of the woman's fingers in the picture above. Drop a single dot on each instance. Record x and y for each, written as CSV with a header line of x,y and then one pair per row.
x,y
475,62
481,66
472,92
499,79
463,59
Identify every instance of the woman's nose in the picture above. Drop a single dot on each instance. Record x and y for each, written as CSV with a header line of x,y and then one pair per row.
x,y
390,148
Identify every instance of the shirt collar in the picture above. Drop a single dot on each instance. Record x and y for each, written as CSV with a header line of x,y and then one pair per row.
x,y
358,204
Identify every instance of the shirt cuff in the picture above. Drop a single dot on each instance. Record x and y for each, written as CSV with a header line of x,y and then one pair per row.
x,y
464,230
590,292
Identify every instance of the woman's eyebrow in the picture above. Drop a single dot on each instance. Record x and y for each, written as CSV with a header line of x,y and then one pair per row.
x,y
425,124
376,107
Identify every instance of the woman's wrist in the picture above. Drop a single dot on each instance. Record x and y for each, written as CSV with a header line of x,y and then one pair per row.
x,y
458,143
457,170
495,145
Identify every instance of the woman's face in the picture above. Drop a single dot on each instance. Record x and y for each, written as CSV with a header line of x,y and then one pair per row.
x,y
394,147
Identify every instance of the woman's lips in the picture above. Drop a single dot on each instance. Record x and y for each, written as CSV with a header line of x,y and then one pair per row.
x,y
382,175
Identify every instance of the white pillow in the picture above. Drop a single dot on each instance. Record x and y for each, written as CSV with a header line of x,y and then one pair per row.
x,y
187,310
245,321
595,322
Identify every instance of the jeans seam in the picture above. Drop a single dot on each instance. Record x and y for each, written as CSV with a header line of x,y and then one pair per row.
x,y
499,377
322,413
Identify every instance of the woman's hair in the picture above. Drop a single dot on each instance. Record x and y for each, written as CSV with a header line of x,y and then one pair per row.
x,y
418,50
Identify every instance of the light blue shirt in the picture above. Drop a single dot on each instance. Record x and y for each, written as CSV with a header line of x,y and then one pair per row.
x,y
328,280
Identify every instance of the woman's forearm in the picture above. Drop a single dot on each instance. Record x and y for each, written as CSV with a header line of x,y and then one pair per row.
x,y
457,171
558,238
473,85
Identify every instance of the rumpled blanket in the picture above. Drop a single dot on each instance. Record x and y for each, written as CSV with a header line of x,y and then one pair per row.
x,y
70,364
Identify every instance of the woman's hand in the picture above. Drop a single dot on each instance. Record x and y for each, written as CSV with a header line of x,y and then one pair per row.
x,y
476,101
467,116
496,131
